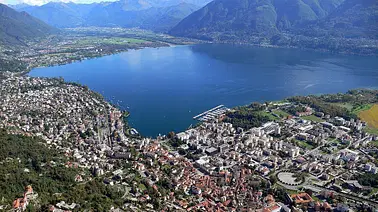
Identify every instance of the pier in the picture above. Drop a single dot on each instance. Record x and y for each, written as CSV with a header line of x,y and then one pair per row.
x,y
212,114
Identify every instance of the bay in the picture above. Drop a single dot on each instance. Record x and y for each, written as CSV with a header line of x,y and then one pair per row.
x,y
164,88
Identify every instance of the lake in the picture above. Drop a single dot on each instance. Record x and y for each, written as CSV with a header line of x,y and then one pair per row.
x,y
164,88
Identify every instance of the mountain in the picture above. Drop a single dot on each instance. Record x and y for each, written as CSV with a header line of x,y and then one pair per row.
x,y
352,19
18,27
154,18
59,14
239,18
158,15
167,3
19,6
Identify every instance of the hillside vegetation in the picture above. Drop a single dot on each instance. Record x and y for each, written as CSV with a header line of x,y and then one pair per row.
x,y
18,27
370,116
27,161
335,25
352,19
245,17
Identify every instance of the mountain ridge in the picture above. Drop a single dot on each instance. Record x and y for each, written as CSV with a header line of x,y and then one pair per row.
x,y
347,26
123,13
18,27
254,16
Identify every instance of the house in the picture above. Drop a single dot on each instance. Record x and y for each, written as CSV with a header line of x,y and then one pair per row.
x,y
78,178
302,198
20,204
302,136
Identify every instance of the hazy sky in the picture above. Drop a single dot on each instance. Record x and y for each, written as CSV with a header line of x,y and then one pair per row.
x,y
40,2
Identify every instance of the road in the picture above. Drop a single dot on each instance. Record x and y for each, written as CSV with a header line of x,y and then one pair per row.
x,y
350,196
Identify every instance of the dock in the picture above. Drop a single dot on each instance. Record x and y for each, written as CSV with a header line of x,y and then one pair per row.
x,y
212,114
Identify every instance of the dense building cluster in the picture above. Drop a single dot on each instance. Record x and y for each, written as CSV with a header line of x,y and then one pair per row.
x,y
316,155
212,167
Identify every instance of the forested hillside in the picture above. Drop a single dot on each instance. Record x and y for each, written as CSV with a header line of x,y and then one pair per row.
x,y
238,18
348,26
353,19
18,27
28,161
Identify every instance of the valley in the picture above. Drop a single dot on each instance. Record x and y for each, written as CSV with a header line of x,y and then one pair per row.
x,y
80,44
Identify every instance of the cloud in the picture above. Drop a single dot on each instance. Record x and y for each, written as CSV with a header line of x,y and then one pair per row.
x,y
41,2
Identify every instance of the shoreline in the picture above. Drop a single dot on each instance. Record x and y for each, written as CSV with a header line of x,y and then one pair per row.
x,y
137,49
291,47
88,58
171,45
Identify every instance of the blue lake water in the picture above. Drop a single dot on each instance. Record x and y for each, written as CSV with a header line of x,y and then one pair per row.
x,y
164,88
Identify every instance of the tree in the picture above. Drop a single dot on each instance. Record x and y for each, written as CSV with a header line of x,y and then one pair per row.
x,y
182,151
171,134
273,179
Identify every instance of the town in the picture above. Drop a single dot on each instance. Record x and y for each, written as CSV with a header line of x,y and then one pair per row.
x,y
302,159
79,44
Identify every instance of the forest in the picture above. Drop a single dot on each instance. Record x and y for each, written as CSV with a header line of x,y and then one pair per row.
x,y
248,116
28,161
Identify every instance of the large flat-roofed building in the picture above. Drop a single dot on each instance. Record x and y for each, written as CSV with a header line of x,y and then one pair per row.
x,y
211,151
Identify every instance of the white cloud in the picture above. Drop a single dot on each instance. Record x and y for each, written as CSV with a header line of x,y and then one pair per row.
x,y
41,2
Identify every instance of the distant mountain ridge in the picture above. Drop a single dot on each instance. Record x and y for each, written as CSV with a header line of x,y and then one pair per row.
x,y
18,27
221,17
60,14
158,15
154,18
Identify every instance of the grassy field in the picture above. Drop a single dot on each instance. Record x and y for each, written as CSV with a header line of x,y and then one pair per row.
x,y
371,130
142,187
115,41
370,116
348,106
304,144
280,101
312,118
270,115
362,108
281,113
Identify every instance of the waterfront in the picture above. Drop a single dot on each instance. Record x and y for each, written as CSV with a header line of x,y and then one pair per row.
x,y
164,88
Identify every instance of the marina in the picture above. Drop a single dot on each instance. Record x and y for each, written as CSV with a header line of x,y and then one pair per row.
x,y
212,114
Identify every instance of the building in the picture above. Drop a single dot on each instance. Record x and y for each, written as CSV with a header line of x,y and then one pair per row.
x,y
211,151
302,198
